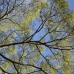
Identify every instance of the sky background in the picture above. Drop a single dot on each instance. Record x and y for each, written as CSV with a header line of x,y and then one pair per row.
x,y
71,2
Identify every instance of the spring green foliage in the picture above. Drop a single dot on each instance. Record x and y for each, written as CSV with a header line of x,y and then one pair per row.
x,y
20,50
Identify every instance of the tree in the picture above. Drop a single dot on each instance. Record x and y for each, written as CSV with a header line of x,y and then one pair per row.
x,y
36,37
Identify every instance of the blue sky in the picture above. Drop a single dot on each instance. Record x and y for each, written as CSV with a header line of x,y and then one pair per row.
x,y
71,2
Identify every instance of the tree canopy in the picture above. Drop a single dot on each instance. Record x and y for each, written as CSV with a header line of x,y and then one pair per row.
x,y
36,37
